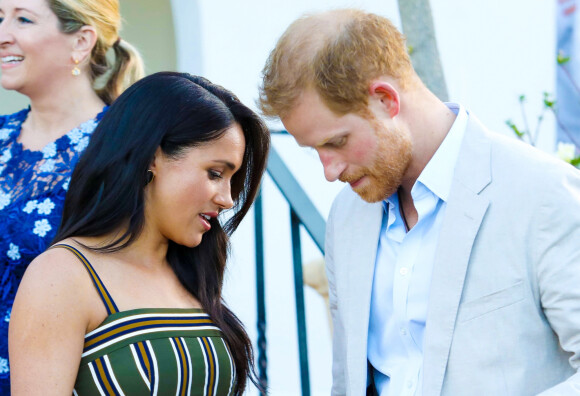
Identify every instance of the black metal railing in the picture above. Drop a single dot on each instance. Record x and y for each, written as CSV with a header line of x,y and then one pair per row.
x,y
302,212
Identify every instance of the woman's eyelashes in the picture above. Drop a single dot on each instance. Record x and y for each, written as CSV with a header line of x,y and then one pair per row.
x,y
214,174
24,20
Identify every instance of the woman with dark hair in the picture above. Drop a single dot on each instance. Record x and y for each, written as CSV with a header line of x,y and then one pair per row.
x,y
67,58
129,299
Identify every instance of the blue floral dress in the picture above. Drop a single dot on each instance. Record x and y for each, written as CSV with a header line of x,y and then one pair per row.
x,y
33,185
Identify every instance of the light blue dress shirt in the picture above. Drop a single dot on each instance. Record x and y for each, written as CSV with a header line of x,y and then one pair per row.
x,y
403,268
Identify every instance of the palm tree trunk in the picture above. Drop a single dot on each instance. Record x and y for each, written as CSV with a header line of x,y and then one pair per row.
x,y
417,22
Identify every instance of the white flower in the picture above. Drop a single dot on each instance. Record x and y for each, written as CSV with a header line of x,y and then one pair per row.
x,y
75,135
13,253
49,150
45,207
566,151
4,199
8,314
41,227
88,127
6,155
30,206
83,143
47,166
4,133
4,366
65,184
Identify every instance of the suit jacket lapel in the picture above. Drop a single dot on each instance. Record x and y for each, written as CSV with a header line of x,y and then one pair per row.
x,y
464,214
360,253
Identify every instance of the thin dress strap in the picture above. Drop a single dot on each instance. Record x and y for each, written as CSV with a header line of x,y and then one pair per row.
x,y
105,296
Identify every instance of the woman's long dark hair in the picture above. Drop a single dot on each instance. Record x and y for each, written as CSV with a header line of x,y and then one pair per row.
x,y
173,111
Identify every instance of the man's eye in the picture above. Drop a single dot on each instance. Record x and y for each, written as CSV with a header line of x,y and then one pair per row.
x,y
337,142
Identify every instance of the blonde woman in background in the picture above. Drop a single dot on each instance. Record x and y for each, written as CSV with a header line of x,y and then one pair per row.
x,y
55,53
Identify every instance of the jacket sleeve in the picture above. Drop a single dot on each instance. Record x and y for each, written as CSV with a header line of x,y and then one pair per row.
x,y
338,370
557,244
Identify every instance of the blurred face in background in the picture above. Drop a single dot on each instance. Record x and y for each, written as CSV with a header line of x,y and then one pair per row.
x,y
34,53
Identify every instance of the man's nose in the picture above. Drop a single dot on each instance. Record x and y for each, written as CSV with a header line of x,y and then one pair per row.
x,y
333,166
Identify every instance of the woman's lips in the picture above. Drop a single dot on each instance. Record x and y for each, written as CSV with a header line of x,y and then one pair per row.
x,y
204,223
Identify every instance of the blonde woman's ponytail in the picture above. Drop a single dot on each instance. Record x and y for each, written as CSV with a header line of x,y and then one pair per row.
x,y
126,69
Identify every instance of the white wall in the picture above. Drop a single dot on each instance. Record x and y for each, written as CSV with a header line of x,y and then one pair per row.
x,y
492,52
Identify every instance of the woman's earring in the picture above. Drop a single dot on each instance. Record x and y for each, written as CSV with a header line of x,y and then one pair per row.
x,y
76,71
150,176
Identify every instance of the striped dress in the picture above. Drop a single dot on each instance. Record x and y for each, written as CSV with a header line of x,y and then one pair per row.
x,y
153,351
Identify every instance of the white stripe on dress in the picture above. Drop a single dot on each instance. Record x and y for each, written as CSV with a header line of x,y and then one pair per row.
x,y
189,365
216,365
139,368
112,375
154,367
96,379
146,331
145,316
179,368
232,374
200,341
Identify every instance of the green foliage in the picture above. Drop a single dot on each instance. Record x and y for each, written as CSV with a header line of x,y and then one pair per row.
x,y
514,128
566,151
549,102
562,59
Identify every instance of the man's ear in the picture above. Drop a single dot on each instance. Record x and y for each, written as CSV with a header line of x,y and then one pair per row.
x,y
387,95
84,41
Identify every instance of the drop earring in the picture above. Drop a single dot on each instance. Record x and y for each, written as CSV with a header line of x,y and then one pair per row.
x,y
76,71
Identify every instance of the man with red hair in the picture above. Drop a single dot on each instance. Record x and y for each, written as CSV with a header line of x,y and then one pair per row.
x,y
453,257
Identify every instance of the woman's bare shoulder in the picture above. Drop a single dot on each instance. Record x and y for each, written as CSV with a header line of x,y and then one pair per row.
x,y
52,312
58,264
57,276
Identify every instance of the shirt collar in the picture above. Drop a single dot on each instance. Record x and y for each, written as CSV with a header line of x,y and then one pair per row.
x,y
438,174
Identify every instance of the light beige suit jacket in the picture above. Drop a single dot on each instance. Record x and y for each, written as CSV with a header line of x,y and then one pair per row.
x,y
504,302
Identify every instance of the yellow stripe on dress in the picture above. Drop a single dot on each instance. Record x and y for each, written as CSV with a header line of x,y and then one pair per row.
x,y
107,300
184,366
103,377
146,324
139,366
145,359
111,373
210,358
154,368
